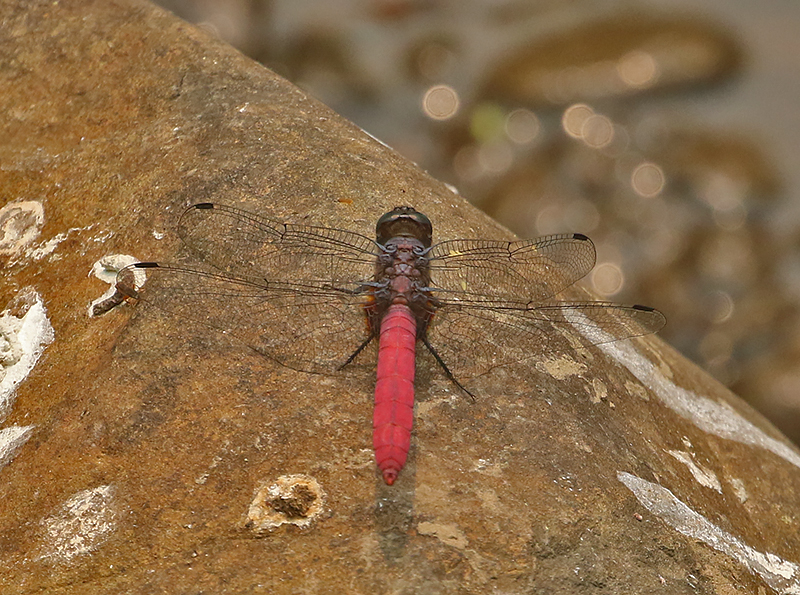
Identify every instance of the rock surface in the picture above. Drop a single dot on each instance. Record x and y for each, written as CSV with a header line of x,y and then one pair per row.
x,y
144,456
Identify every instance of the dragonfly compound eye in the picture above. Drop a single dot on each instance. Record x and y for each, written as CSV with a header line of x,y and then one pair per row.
x,y
404,222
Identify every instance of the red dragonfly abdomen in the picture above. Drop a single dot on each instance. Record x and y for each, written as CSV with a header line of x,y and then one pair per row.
x,y
394,391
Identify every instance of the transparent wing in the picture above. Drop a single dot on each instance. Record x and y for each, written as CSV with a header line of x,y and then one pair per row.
x,y
297,293
473,338
241,243
518,271
310,325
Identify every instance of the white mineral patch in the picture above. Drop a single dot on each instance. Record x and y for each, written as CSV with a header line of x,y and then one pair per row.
x,y
377,139
779,574
637,390
599,391
704,476
562,367
447,534
106,268
739,489
453,189
11,440
20,224
292,499
717,418
22,341
20,227
47,248
85,521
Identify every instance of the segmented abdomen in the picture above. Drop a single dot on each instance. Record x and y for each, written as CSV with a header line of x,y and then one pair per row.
x,y
394,391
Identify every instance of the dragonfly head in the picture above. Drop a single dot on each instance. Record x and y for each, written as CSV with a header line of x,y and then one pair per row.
x,y
404,222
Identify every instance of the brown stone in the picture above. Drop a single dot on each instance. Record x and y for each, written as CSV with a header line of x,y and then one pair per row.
x,y
145,455
615,55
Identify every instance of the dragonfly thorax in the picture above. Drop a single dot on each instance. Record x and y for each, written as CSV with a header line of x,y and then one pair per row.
x,y
403,258
402,277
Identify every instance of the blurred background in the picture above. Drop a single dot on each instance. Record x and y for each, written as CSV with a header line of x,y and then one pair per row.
x,y
666,130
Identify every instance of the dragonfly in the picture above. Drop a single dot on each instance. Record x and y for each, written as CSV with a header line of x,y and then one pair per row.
x,y
326,300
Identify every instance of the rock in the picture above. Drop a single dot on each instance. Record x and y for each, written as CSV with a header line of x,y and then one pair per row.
x,y
612,56
142,454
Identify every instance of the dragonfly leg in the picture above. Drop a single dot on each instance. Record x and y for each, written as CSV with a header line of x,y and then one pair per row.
x,y
447,371
360,348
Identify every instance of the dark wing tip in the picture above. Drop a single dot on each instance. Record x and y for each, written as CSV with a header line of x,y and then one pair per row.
x,y
657,320
203,205
145,265
580,236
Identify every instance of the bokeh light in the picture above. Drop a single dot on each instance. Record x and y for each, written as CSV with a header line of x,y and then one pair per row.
x,y
638,69
581,215
548,220
597,131
466,164
725,195
581,122
522,126
716,347
647,180
495,157
721,306
574,118
487,122
440,102
607,279
434,61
